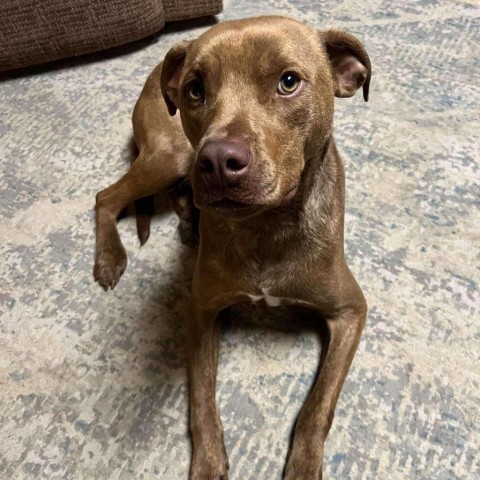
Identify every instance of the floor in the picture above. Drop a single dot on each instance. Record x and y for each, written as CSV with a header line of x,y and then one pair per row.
x,y
93,384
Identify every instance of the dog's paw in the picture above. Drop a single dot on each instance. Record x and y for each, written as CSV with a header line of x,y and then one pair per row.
x,y
209,469
209,476
303,471
143,228
110,263
144,208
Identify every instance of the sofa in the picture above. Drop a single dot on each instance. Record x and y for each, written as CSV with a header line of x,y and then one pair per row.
x,y
38,31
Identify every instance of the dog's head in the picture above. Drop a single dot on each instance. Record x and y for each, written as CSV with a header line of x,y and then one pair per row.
x,y
256,102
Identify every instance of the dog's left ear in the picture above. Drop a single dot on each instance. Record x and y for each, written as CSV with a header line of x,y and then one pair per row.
x,y
170,76
349,62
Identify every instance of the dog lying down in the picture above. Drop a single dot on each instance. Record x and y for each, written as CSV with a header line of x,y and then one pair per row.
x,y
253,138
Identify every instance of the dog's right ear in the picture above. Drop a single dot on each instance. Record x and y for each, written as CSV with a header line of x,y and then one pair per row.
x,y
349,62
170,76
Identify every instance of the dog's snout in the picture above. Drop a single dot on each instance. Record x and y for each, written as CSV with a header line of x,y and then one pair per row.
x,y
223,163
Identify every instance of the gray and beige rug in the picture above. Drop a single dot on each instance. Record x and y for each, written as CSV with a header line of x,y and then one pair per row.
x,y
93,385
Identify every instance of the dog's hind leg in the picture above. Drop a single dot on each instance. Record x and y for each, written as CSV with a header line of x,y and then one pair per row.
x,y
144,208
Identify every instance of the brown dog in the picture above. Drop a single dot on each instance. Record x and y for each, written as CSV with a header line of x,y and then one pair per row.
x,y
254,139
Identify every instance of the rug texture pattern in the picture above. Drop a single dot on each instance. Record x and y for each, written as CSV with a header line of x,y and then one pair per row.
x,y
93,385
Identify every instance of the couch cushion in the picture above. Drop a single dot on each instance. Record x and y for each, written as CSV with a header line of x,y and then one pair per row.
x,y
183,9
33,31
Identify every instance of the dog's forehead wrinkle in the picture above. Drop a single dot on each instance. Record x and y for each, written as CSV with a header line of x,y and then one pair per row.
x,y
256,51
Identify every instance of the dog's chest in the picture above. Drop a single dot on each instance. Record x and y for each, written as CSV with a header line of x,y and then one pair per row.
x,y
264,298
269,300
272,275
268,283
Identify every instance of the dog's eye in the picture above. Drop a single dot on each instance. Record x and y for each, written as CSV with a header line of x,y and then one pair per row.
x,y
195,91
288,84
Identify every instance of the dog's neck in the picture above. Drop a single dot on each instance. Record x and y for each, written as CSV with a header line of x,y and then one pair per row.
x,y
319,175
321,189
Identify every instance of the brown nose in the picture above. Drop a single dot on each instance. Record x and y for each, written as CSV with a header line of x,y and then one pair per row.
x,y
223,164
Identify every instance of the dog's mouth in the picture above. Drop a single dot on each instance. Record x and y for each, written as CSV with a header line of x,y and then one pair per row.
x,y
290,194
229,205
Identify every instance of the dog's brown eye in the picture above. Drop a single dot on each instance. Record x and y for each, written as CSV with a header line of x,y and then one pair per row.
x,y
288,84
195,91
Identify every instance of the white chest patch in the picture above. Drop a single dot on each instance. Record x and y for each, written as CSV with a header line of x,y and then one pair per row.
x,y
269,300
272,301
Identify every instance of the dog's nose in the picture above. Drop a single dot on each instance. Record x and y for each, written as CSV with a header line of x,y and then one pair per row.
x,y
223,163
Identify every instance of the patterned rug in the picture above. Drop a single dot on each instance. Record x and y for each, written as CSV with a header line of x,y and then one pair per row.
x,y
93,385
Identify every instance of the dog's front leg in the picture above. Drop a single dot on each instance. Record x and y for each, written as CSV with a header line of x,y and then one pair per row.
x,y
306,453
150,173
209,461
